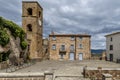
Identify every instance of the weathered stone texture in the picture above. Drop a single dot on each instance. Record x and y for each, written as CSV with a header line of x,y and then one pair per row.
x,y
34,37
98,74
3,65
66,40
22,78
86,50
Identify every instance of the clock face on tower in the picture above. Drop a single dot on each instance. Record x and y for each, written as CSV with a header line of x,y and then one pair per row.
x,y
39,21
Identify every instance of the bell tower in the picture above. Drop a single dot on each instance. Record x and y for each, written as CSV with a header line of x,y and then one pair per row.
x,y
32,23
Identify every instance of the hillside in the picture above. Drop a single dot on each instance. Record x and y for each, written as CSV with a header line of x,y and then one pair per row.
x,y
12,39
97,51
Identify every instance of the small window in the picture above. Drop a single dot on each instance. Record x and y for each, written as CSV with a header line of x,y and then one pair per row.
x,y
39,13
80,46
80,38
111,39
29,11
111,47
29,27
53,46
53,38
72,47
62,47
72,38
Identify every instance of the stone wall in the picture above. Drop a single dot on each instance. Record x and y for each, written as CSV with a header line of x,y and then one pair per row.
x,y
98,73
23,78
26,76
3,65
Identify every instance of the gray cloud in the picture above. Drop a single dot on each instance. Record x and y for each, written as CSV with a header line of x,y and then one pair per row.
x,y
95,17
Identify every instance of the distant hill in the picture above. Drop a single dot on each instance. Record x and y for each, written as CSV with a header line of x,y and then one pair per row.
x,y
97,51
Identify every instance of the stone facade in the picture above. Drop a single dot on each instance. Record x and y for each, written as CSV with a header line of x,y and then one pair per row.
x,y
32,23
69,47
45,48
113,46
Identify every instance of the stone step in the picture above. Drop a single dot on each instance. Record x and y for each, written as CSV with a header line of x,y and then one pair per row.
x,y
71,78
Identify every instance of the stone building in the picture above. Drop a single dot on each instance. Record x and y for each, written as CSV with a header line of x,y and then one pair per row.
x,y
69,46
32,23
113,46
45,48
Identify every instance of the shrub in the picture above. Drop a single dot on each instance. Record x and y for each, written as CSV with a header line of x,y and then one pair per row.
x,y
4,37
16,31
24,45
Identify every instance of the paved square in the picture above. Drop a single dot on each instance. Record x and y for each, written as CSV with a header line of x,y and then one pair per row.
x,y
62,69
73,68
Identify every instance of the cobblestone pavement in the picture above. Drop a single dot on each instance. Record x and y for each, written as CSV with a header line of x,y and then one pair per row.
x,y
67,68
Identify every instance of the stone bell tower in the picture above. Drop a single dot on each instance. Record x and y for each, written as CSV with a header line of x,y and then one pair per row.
x,y
32,23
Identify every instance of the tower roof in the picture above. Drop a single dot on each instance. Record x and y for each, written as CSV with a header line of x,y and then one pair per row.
x,y
33,2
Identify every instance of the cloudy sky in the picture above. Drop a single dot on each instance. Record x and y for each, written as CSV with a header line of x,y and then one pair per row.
x,y
94,17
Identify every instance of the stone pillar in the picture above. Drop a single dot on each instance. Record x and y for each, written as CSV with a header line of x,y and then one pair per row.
x,y
48,75
106,77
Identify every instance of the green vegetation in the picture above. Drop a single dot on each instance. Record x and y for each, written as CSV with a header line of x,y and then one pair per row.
x,y
23,45
4,37
16,31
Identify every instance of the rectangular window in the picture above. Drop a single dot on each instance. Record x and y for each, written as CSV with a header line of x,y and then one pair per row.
x,y
72,38
80,38
111,47
53,38
80,46
72,47
62,47
111,39
53,46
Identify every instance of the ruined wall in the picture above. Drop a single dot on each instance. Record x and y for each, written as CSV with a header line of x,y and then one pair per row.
x,y
98,74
